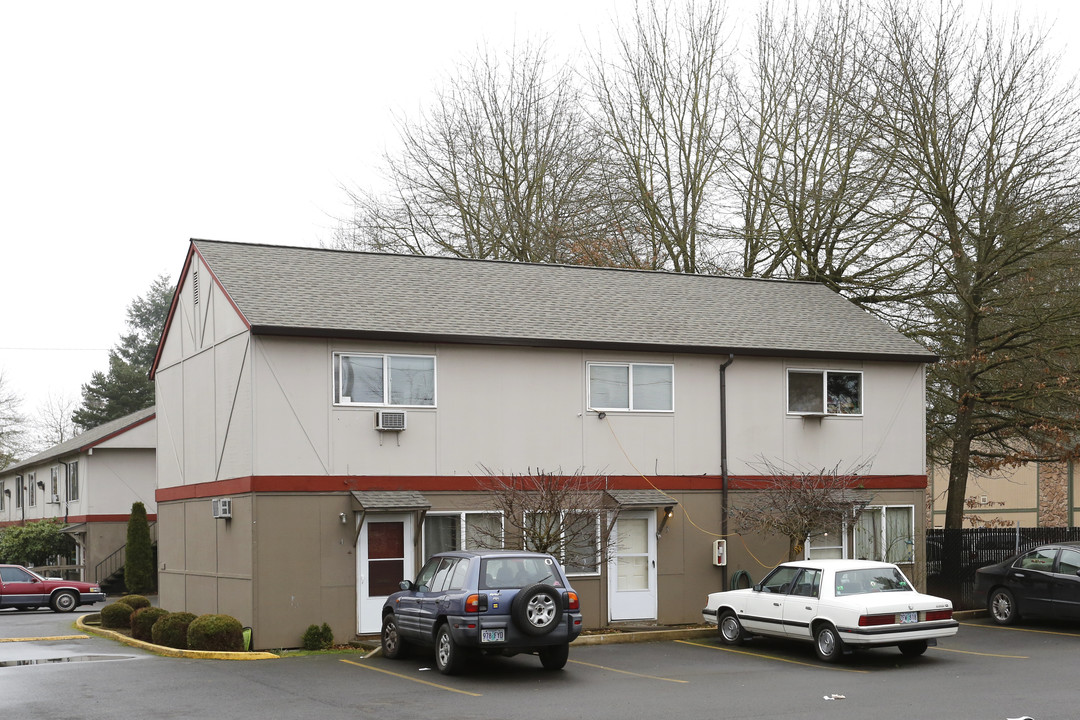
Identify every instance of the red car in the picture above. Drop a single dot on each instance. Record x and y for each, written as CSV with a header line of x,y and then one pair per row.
x,y
26,590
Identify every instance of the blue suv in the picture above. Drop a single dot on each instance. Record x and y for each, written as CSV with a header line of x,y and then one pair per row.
x,y
500,602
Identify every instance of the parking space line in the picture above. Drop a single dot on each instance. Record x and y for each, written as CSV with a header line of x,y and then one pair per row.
x,y
773,657
43,639
627,672
972,652
412,679
1020,629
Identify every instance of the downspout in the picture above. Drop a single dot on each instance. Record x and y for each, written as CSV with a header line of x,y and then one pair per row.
x,y
723,462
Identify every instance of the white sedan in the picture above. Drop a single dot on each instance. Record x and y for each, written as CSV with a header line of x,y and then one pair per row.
x,y
836,604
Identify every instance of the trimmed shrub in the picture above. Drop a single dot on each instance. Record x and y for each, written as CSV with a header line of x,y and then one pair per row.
x,y
171,630
143,620
221,633
116,616
139,573
318,638
137,602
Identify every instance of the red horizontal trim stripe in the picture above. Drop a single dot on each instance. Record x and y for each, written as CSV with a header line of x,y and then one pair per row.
x,y
460,483
76,519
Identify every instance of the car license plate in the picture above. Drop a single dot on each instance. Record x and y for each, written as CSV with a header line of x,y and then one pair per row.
x,y
493,635
911,617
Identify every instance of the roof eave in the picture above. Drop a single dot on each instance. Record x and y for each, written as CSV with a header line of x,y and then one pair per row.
x,y
319,332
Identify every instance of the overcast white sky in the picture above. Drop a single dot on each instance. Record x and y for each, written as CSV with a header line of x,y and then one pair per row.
x,y
127,128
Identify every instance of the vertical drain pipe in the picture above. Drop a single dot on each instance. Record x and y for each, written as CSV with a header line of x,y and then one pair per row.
x,y
723,463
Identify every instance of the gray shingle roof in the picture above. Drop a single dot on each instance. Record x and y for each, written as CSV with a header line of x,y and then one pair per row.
x,y
642,498
309,291
86,439
390,500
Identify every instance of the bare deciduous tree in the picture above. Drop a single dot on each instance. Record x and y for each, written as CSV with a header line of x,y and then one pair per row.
x,y
501,166
12,425
815,186
662,120
568,516
53,424
799,502
987,136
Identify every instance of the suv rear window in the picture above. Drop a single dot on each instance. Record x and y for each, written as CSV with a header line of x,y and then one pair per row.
x,y
503,573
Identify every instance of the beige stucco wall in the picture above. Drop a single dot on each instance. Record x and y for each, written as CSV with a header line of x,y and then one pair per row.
x,y
269,411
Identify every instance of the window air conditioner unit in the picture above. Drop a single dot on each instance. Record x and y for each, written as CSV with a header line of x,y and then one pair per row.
x,y
390,420
221,507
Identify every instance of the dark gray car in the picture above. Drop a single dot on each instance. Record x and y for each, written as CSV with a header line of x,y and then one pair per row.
x,y
501,602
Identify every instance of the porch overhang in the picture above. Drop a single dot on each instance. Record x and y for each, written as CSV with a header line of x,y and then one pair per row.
x,y
629,499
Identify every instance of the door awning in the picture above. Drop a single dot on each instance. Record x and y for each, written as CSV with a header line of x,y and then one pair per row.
x,y
389,500
641,498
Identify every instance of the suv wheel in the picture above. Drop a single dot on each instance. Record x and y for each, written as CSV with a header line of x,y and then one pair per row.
x,y
537,609
448,655
393,646
553,657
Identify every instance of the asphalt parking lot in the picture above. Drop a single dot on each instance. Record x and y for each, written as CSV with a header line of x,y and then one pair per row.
x,y
983,672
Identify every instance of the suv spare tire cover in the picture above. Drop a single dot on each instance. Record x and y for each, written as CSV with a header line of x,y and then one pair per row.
x,y
537,609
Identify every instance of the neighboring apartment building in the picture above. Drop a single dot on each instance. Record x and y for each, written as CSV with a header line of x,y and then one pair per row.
x,y
90,482
1030,495
345,404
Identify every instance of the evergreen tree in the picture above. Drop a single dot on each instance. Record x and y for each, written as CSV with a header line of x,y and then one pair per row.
x,y
139,560
126,387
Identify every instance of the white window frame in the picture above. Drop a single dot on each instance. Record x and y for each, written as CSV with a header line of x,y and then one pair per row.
x,y
630,386
561,555
461,515
336,379
31,493
829,543
824,411
884,542
71,484
54,473
3,498
18,491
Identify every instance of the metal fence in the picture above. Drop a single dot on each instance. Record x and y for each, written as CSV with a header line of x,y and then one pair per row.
x,y
953,556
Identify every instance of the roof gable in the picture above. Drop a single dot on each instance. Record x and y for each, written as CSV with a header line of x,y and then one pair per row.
x,y
335,293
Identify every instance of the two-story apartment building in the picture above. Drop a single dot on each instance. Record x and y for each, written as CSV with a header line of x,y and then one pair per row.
x,y
90,482
346,405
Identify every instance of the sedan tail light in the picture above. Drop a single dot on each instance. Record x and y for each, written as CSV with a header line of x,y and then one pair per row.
x,y
938,615
871,620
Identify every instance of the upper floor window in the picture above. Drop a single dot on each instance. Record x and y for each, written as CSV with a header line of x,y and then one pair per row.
x,y
72,481
631,386
405,380
53,490
825,392
31,489
3,493
18,491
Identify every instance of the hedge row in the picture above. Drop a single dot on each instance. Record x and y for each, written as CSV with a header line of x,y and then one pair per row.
x,y
182,630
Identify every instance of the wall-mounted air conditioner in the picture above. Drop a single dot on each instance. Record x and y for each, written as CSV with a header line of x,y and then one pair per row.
x,y
390,420
221,507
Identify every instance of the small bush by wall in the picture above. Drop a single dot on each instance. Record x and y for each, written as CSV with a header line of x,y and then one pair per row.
x,y
143,621
136,602
221,633
171,630
116,616
318,638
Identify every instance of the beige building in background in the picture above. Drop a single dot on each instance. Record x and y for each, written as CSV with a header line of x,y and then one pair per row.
x,y
1030,495
324,419
90,483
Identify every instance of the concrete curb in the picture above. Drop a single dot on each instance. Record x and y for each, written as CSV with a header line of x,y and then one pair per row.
x,y
171,652
615,638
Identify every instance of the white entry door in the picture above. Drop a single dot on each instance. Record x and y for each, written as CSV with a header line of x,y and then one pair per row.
x,y
632,572
384,557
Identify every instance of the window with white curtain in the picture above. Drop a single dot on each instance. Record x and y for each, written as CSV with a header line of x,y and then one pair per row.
x,y
446,531
642,387
396,380
886,533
